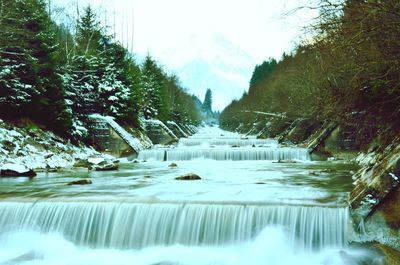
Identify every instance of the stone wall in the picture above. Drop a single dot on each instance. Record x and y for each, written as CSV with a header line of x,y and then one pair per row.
x,y
107,140
159,133
375,199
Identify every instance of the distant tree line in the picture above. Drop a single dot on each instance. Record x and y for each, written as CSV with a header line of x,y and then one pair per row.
x,y
349,73
56,76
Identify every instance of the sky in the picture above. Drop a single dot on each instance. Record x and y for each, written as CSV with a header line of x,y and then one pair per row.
x,y
261,28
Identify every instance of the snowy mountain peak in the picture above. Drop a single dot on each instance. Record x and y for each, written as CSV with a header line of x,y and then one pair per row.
x,y
210,61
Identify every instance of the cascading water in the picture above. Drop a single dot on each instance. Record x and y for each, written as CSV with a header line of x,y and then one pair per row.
x,y
227,142
138,225
142,215
233,154
222,146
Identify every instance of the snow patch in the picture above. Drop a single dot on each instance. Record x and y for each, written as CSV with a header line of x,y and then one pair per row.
x,y
40,151
96,160
394,176
15,167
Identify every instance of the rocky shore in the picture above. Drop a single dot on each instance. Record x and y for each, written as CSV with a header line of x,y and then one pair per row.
x,y
375,198
25,151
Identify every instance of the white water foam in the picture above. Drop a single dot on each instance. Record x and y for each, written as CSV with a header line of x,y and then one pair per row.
x,y
138,225
268,248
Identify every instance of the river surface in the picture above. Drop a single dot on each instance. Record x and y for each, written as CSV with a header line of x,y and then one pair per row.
x,y
256,203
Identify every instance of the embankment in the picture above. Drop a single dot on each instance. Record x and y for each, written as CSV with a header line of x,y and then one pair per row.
x,y
375,198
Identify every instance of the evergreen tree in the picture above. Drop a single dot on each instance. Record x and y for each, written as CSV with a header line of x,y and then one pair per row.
x,y
99,72
152,84
86,73
89,33
262,71
30,85
207,103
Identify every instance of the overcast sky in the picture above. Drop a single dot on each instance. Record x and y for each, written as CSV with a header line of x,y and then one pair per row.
x,y
259,27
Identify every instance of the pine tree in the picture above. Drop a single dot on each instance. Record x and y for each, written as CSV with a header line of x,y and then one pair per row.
x,y
262,71
89,33
30,85
152,84
207,103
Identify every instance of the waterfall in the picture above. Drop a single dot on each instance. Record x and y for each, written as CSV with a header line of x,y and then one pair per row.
x,y
183,142
233,154
137,225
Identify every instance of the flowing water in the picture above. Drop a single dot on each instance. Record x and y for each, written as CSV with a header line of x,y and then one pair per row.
x,y
256,203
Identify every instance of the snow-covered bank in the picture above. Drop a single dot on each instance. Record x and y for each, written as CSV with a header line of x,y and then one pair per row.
x,y
40,150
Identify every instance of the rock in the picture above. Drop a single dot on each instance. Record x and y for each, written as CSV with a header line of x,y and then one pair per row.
x,y
173,165
329,170
48,155
260,183
21,153
391,256
189,176
80,182
106,167
16,170
147,177
135,161
285,161
82,163
97,164
8,145
313,173
52,169
58,139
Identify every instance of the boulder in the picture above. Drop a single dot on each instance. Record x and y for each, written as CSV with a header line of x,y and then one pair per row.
x,y
391,255
16,170
106,167
8,145
80,182
97,164
82,163
172,165
280,161
189,176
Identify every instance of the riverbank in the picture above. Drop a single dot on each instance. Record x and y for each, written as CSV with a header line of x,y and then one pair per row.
x,y
43,151
374,199
26,150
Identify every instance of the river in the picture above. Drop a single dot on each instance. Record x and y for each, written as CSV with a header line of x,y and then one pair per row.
x,y
257,202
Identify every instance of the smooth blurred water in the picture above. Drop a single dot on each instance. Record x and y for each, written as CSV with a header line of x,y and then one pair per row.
x,y
239,212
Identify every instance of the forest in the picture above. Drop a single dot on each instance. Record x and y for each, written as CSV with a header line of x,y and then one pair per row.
x,y
347,73
55,76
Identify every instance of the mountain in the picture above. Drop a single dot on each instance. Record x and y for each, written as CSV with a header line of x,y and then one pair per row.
x,y
210,61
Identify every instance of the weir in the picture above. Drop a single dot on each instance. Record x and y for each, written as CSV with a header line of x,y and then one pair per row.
x,y
138,225
234,154
215,144
233,142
